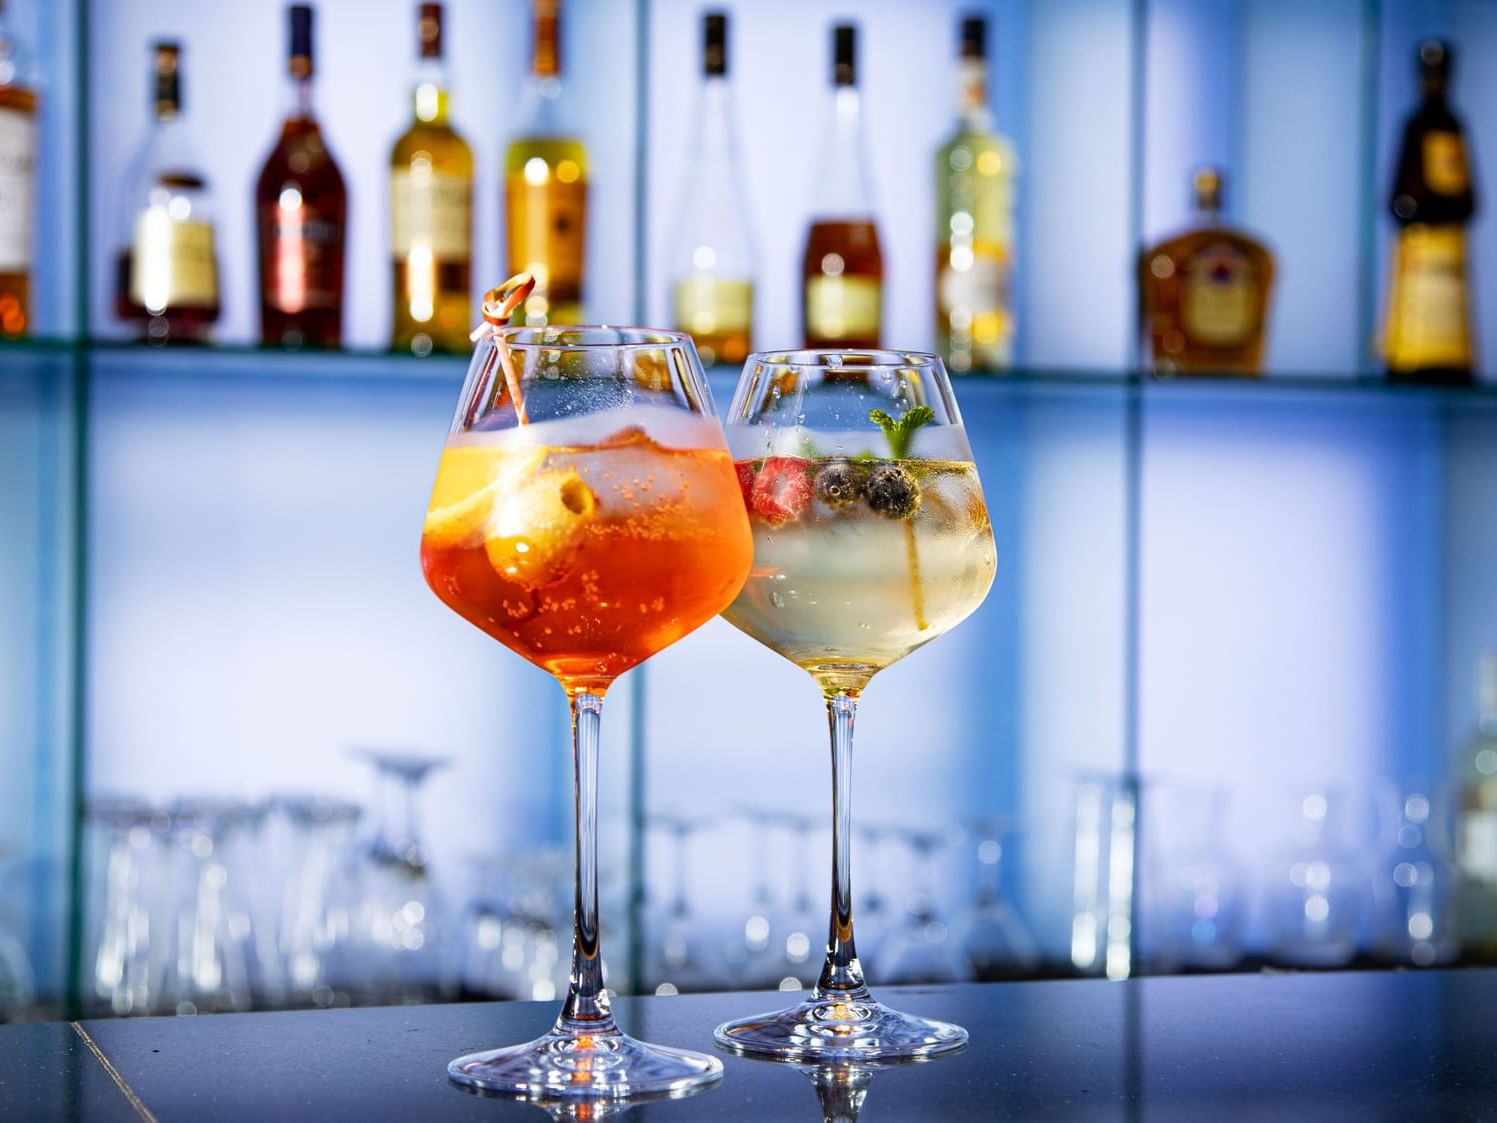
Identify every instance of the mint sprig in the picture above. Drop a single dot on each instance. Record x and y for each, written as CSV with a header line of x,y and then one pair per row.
x,y
899,430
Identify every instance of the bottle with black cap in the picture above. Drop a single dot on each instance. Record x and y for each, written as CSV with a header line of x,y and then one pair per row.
x,y
1427,337
431,211
301,210
843,267
712,259
166,278
975,177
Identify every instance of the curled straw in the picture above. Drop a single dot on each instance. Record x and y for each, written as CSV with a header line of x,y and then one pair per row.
x,y
498,306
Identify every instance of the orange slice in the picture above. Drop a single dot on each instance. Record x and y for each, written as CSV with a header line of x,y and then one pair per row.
x,y
536,529
469,479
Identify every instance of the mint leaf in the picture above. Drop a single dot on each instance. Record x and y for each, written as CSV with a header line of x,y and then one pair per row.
x,y
898,431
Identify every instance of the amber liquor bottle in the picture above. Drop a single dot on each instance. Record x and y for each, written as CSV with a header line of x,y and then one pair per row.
x,y
166,271
1427,336
842,271
1204,293
301,211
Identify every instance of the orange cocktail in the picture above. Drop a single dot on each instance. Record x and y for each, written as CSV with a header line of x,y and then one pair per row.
x,y
587,556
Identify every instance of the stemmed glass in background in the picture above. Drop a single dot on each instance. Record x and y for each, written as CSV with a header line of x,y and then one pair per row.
x,y
996,940
871,538
920,947
586,515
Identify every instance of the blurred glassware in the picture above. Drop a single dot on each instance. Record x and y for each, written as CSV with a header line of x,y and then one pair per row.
x,y
873,914
314,918
799,950
1193,892
1106,811
751,954
678,947
1415,883
1318,885
131,834
17,981
920,948
995,940
209,944
397,938
513,926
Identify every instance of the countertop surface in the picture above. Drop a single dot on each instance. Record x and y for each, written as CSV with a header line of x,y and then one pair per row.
x,y
1364,1046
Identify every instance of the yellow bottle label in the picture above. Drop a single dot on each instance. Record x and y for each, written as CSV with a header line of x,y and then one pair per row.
x,y
1445,163
547,226
708,305
172,264
17,158
431,214
843,307
1219,299
1428,325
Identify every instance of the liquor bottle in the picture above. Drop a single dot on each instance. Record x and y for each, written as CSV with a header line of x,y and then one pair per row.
x,y
1427,337
1476,821
842,272
431,211
301,212
18,107
166,271
1204,292
545,184
975,174
712,265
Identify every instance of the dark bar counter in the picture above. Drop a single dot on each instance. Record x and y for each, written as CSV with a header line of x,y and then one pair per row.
x,y
1354,1046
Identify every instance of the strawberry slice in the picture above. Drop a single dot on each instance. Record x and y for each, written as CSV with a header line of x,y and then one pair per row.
x,y
782,489
747,470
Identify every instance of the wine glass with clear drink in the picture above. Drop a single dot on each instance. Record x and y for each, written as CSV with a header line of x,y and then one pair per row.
x,y
871,538
585,514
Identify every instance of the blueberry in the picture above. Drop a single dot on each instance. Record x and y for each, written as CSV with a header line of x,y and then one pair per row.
x,y
892,492
840,482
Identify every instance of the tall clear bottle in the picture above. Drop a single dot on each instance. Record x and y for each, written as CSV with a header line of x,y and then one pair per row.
x,y
431,211
545,186
1476,823
976,171
301,208
166,280
842,270
712,263
18,136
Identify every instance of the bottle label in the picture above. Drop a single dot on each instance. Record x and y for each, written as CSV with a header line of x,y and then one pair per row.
x,y
547,227
711,306
980,287
1445,163
843,307
172,263
433,212
1220,298
17,159
1476,847
1427,309
303,259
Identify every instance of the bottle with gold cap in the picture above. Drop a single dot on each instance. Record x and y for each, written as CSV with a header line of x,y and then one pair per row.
x,y
431,211
1427,335
545,186
166,281
1204,293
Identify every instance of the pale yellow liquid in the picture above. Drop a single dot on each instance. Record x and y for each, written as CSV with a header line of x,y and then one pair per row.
x,y
845,592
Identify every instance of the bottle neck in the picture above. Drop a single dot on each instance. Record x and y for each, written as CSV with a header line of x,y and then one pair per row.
x,y
299,97
430,96
972,95
713,134
843,188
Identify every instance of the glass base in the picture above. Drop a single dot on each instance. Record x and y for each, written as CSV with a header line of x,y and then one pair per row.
x,y
607,1066
823,1029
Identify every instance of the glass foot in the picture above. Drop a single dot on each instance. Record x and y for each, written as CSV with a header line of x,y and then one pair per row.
x,y
823,1029
608,1066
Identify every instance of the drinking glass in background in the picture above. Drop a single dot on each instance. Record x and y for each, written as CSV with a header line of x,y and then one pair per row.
x,y
871,538
1414,880
1194,899
989,929
920,947
1317,886
17,981
310,840
1105,829
126,914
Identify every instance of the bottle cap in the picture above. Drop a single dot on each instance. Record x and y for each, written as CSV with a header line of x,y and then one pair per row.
x,y
165,63
844,55
1209,186
715,44
1435,63
301,40
547,62
974,37
429,30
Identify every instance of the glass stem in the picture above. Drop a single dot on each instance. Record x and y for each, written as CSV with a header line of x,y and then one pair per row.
x,y
842,974
586,1010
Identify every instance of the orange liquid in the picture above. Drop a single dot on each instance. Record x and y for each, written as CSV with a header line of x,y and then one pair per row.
x,y
586,561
